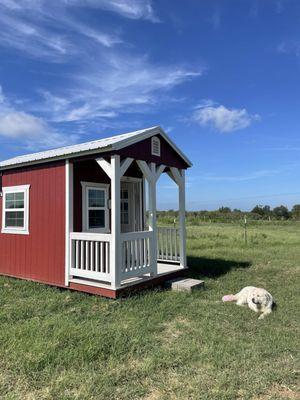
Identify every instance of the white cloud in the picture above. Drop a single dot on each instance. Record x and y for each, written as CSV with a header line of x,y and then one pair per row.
x,y
104,76
16,125
134,9
48,30
223,119
289,47
121,84
216,18
28,130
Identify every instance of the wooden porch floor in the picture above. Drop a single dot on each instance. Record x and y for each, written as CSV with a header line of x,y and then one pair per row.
x,y
165,271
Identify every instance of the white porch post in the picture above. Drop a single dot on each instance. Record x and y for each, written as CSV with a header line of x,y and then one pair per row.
x,y
152,175
68,217
152,218
178,177
182,228
115,246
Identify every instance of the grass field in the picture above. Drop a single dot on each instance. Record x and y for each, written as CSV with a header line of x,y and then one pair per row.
x,y
58,344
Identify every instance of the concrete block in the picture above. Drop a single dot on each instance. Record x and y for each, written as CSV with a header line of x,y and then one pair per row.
x,y
185,284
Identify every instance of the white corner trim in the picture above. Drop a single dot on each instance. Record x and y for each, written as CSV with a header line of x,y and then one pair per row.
x,y
68,217
16,189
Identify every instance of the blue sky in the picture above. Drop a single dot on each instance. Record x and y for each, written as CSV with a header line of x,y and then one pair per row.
x,y
221,77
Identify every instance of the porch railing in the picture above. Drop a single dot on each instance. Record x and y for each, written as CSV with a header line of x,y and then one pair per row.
x,y
168,248
90,255
136,254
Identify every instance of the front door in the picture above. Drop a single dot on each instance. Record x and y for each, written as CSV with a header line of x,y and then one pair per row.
x,y
126,206
131,206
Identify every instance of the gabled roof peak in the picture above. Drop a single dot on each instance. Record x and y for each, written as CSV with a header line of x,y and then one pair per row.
x,y
106,144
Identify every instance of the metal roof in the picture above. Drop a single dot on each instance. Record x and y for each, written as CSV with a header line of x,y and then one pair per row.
x,y
102,145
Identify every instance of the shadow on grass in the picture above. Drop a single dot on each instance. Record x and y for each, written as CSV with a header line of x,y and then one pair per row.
x,y
212,267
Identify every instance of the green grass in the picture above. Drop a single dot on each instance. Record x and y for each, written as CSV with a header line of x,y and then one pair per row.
x,y
58,344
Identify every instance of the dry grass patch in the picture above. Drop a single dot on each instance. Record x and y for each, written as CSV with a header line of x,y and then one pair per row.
x,y
279,392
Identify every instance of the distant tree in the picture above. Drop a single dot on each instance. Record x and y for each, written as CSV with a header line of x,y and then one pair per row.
x,y
236,210
263,211
296,211
225,210
281,212
258,210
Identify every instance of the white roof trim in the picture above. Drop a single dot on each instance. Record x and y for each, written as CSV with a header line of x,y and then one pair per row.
x,y
96,146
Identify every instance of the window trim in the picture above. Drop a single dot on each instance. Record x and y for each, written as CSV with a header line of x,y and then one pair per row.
x,y
24,230
85,209
157,140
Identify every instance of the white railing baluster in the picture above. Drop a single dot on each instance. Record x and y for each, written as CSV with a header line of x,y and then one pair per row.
x,y
87,258
175,250
92,264
166,241
101,255
97,256
81,254
107,265
77,254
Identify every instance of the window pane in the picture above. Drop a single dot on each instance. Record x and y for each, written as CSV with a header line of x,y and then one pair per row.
x,y
96,198
14,200
96,219
19,196
14,219
124,194
124,218
10,196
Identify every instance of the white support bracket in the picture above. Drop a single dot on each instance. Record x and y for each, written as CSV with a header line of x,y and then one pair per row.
x,y
144,167
105,165
159,171
125,164
176,175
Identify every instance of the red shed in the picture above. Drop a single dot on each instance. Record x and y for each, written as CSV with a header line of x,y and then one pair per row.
x,y
76,217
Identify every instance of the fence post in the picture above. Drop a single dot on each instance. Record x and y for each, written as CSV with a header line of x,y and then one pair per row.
x,y
245,229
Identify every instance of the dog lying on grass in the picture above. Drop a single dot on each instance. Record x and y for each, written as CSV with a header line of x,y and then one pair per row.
x,y
257,299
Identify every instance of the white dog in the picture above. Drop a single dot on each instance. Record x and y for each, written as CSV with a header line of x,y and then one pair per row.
x,y
257,299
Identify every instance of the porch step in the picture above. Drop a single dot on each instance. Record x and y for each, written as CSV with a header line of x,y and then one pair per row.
x,y
184,284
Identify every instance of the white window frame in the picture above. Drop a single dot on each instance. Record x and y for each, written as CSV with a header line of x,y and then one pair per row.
x,y
85,209
24,230
155,141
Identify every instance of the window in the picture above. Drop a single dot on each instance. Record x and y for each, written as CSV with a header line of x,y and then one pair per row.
x,y
155,146
15,210
124,206
94,207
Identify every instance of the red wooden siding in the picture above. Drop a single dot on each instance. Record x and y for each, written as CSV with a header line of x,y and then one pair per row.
x,y
41,254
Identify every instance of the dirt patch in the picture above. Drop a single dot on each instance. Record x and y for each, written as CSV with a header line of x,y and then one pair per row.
x,y
174,329
279,392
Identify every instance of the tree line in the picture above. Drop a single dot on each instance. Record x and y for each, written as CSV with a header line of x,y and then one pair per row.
x,y
224,214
